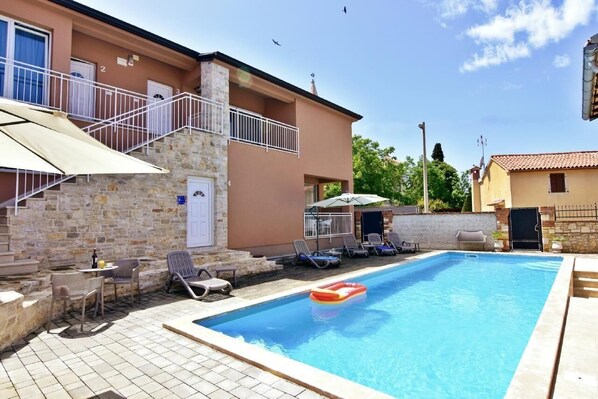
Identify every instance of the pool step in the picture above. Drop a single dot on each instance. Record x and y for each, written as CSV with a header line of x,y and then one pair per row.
x,y
585,283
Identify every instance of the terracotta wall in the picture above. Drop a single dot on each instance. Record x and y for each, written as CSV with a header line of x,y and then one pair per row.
x,y
266,197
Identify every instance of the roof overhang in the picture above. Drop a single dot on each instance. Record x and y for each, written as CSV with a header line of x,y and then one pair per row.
x,y
589,109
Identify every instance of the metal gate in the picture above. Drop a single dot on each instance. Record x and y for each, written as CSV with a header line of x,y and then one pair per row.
x,y
525,228
371,222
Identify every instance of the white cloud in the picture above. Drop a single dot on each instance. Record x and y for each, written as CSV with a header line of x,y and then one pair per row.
x,y
454,8
561,61
495,55
531,24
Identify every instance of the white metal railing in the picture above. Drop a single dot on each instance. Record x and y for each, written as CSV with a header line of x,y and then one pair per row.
x,y
80,98
331,224
144,125
135,129
253,129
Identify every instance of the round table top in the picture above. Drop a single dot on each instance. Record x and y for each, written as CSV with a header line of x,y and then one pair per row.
x,y
97,269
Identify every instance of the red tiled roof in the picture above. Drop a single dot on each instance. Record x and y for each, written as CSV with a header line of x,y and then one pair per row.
x,y
559,160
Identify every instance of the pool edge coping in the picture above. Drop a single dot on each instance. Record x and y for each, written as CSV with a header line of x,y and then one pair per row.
x,y
537,368
329,384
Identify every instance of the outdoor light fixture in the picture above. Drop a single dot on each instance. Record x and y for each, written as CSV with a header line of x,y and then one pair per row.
x,y
422,126
130,60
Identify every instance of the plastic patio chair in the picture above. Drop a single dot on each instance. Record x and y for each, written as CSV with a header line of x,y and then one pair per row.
x,y
182,270
69,287
352,247
401,246
127,273
380,248
304,255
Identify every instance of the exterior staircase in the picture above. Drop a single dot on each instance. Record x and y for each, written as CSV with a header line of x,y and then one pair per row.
x,y
8,264
585,278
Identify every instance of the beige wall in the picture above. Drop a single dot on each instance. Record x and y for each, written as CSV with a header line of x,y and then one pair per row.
x,y
531,189
495,185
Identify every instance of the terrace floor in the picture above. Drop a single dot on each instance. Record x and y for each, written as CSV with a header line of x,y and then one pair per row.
x,y
129,354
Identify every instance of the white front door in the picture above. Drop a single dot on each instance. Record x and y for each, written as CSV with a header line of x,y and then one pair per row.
x,y
200,211
81,89
159,117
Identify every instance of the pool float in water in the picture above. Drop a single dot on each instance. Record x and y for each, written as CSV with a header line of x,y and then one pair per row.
x,y
336,293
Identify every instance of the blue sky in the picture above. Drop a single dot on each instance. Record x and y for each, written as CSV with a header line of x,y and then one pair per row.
x,y
507,70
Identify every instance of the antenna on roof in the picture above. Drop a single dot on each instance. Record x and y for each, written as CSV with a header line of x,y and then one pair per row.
x,y
313,89
482,142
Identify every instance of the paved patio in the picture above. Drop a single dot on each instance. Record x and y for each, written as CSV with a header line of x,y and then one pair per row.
x,y
130,355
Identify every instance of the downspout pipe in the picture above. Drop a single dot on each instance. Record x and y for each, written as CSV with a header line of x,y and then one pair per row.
x,y
590,70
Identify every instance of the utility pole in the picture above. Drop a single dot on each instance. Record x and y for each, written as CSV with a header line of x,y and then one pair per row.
x,y
422,126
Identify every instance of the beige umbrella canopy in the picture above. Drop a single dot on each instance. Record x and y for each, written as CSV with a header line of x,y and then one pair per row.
x,y
35,138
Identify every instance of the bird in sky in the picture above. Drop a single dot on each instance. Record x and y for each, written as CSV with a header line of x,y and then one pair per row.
x,y
275,42
345,9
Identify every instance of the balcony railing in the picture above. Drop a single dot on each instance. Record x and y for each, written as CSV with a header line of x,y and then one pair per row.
x,y
264,132
80,98
330,224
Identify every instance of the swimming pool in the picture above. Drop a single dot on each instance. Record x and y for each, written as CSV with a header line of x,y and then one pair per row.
x,y
449,326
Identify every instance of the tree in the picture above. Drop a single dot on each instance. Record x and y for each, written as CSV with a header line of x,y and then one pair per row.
x,y
437,154
375,170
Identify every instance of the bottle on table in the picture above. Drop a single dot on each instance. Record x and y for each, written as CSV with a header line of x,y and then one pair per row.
x,y
94,259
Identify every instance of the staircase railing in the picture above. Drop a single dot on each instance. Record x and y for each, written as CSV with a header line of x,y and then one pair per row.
x,y
133,130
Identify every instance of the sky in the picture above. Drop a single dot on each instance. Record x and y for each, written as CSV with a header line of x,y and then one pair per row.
x,y
507,71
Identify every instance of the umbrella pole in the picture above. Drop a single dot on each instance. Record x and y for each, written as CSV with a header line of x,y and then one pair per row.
x,y
317,228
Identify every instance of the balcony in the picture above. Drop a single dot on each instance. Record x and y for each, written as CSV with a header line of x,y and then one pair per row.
x,y
333,224
250,128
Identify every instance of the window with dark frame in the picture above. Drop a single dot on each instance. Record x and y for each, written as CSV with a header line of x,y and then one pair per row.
x,y
557,183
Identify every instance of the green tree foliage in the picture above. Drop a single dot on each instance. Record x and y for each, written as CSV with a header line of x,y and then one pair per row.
x,y
375,170
437,154
332,190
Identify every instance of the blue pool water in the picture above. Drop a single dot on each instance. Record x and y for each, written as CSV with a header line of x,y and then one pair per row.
x,y
448,326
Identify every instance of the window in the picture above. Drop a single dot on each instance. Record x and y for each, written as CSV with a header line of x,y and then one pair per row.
x,y
23,56
557,183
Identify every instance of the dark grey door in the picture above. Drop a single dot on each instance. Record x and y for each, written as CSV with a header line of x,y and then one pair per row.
x,y
525,228
371,222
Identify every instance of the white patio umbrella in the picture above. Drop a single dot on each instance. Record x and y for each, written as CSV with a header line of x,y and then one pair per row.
x,y
35,138
344,199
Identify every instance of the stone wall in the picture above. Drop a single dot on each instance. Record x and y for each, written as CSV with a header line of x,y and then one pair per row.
x,y
439,230
124,215
576,236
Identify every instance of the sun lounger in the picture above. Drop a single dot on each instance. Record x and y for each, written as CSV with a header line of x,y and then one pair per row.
x,y
380,248
400,246
304,255
182,270
352,247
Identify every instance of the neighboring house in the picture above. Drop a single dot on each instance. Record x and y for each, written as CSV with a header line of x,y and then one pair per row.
x,y
589,108
534,180
247,151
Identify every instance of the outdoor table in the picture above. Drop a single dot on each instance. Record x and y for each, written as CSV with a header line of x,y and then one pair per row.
x,y
224,269
332,252
368,246
95,270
